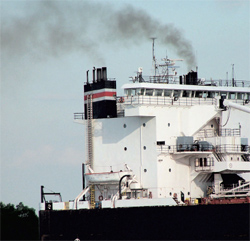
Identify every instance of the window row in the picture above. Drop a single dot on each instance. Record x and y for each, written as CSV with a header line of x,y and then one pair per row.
x,y
204,162
186,93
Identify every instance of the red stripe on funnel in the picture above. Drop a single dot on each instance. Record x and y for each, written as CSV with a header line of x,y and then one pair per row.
x,y
102,94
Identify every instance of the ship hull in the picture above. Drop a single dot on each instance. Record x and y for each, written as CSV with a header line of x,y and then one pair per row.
x,y
201,222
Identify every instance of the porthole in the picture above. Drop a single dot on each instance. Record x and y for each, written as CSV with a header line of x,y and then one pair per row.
x,y
212,126
144,147
124,126
170,194
169,169
145,170
125,148
144,124
168,124
188,193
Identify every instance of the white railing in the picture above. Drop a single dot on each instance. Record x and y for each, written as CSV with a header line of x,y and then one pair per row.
x,y
163,100
235,188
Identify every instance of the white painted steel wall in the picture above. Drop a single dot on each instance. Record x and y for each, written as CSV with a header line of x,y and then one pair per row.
x,y
128,140
145,202
236,118
176,121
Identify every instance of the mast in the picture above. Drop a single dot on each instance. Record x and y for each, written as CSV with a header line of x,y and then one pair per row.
x,y
233,75
153,55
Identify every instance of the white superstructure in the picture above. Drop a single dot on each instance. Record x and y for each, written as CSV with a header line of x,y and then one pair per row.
x,y
173,141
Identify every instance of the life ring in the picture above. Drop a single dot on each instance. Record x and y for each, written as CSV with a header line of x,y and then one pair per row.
x,y
121,100
100,198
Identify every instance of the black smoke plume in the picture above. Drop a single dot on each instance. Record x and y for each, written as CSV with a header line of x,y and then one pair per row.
x,y
57,28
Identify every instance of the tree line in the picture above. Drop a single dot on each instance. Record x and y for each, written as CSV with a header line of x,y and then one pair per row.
x,y
18,222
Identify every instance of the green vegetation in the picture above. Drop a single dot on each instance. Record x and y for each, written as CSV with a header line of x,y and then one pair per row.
x,y
18,223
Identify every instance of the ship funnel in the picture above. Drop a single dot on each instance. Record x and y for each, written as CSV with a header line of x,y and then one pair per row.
x,y
104,73
99,74
93,74
103,96
87,73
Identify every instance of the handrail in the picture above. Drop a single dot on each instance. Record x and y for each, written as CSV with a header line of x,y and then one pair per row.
x,y
204,148
230,132
183,148
174,80
165,100
232,148
236,187
81,194
79,116
219,132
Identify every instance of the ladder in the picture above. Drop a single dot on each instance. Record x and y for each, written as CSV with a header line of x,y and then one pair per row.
x,y
246,157
92,197
89,144
219,156
89,141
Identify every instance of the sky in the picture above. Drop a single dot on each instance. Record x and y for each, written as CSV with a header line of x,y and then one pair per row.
x,y
46,49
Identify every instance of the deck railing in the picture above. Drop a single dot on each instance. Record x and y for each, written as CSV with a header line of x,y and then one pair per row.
x,y
79,116
169,80
205,133
232,148
164,100
173,149
236,187
230,132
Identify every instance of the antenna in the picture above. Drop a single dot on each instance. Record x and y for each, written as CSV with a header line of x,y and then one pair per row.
x,y
153,48
233,75
153,54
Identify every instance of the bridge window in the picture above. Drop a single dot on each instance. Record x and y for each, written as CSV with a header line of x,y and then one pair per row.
x,y
204,162
214,94
167,93
149,92
132,92
224,94
186,93
198,94
142,92
210,94
177,93
204,95
240,96
137,91
128,92
231,96
158,92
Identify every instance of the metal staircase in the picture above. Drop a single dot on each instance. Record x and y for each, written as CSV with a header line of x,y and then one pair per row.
x,y
219,156
246,157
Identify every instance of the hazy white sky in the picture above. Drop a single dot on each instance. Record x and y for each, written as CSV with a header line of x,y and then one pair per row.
x,y
46,49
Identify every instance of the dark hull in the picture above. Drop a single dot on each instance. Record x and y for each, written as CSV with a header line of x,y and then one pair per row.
x,y
203,222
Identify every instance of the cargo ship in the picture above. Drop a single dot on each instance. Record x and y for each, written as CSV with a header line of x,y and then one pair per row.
x,y
163,161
